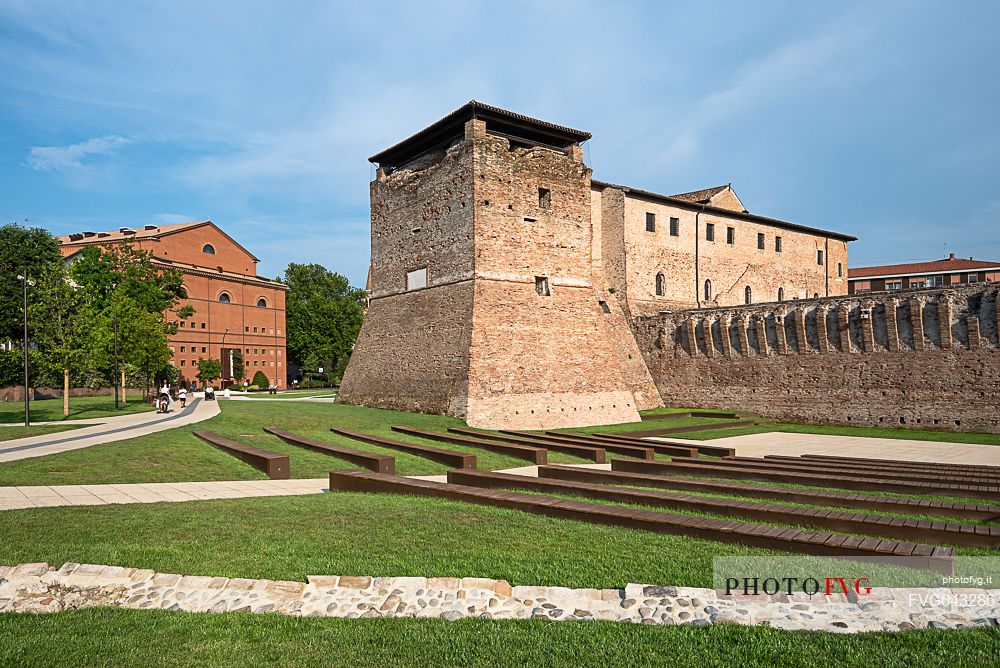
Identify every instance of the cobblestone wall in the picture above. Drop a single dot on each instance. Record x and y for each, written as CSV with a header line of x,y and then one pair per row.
x,y
926,358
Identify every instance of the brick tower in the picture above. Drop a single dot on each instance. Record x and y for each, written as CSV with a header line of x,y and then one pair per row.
x,y
485,303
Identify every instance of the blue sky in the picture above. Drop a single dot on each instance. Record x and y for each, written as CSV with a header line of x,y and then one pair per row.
x,y
877,118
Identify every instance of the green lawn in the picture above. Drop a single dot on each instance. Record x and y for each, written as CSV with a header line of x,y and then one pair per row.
x,y
177,455
152,638
10,433
45,410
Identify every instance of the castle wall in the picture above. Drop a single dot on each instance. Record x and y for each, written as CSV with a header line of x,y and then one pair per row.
x,y
412,352
928,359
539,360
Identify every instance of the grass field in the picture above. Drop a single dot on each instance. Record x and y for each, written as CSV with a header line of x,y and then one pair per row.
x,y
10,433
105,637
47,410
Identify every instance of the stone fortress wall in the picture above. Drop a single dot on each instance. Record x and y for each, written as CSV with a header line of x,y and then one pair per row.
x,y
924,359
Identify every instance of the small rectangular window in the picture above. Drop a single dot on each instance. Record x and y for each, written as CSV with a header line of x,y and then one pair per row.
x,y
247,328
416,279
182,362
182,323
675,227
973,278
730,235
183,349
840,270
204,349
819,257
254,330
542,286
777,244
203,325
650,222
760,240
894,285
544,198
709,232
604,306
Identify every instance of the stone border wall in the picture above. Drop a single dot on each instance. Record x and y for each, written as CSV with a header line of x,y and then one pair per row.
x,y
39,587
921,358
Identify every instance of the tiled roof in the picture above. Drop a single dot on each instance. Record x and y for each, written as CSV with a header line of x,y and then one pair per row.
x,y
146,232
601,185
702,196
947,264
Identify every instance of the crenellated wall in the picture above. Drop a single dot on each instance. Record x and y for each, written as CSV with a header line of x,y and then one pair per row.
x,y
925,358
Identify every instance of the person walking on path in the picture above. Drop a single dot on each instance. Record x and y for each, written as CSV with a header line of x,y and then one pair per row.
x,y
182,394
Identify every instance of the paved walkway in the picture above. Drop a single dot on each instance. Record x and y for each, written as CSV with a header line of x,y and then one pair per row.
x,y
110,429
783,443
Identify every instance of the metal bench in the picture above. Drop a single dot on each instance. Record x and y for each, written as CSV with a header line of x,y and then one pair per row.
x,y
369,460
274,464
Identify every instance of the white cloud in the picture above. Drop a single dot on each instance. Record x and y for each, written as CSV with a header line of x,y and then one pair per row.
x,y
172,218
60,158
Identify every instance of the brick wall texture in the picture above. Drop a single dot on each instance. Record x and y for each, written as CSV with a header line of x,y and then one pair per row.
x,y
926,359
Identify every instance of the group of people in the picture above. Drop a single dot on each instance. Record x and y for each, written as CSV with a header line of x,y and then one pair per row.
x,y
165,397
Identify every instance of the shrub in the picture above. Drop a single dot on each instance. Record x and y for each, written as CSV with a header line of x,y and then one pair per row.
x,y
260,380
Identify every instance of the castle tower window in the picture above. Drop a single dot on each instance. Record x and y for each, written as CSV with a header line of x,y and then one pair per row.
x,y
760,241
650,222
730,235
416,279
708,290
675,227
659,285
748,295
604,306
777,244
819,257
781,294
208,248
225,298
840,270
542,286
709,231
544,198
262,303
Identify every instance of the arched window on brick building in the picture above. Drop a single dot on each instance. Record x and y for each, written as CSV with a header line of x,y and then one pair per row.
x,y
659,284
781,294
208,248
262,303
748,295
708,290
225,298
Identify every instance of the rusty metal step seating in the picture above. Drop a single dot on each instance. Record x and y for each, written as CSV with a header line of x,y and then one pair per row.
x,y
659,448
595,454
274,464
934,470
527,453
368,460
871,460
458,460
703,449
618,449
728,531
666,431
686,414
810,479
866,472
914,530
909,506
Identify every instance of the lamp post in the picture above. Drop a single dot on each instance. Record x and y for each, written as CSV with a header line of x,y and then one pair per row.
x,y
26,282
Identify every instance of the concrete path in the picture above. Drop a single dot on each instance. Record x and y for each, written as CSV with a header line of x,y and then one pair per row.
x,y
110,429
793,444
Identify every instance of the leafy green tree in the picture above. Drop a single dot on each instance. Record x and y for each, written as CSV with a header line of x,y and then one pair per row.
x,y
129,271
143,342
260,380
208,369
62,320
239,369
323,314
22,249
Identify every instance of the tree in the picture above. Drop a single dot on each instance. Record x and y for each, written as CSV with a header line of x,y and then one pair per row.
x,y
239,370
62,321
208,369
22,249
323,314
260,380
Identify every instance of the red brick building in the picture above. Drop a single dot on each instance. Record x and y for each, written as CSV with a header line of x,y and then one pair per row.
x,y
234,307
917,275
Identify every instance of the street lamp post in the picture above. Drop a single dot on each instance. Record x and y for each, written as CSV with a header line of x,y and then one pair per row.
x,y
114,315
27,401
